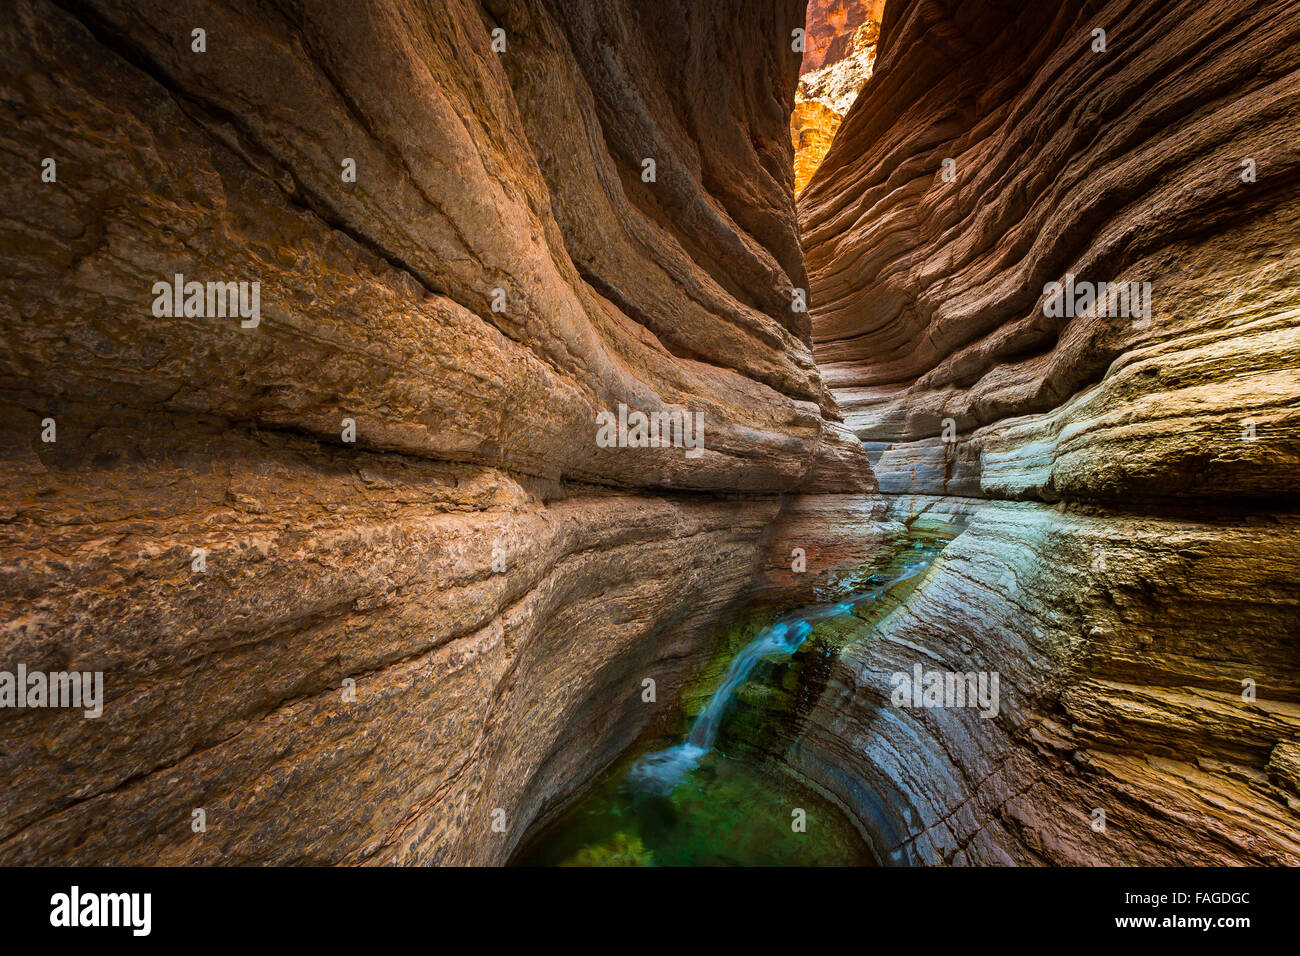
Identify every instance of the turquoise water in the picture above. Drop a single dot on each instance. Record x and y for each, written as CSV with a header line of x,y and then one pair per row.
x,y
717,792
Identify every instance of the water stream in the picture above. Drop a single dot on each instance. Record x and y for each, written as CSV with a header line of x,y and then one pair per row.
x,y
660,772
697,802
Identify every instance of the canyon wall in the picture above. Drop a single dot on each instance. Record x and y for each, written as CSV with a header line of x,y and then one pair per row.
x,y
1130,565
831,26
362,584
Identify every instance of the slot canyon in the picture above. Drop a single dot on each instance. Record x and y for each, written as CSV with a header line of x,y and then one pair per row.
x,y
332,332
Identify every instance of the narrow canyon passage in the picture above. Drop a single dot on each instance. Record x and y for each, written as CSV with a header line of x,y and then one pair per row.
x,y
604,432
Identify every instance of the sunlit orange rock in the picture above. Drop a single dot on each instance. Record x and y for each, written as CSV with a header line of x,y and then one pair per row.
x,y
812,127
825,94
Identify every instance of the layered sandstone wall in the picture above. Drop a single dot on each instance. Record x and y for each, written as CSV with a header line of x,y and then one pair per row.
x,y
1122,166
1121,644
492,583
206,530
1130,564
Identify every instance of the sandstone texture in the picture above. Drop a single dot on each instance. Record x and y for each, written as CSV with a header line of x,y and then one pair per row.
x,y
1121,644
929,294
364,586
812,127
490,584
1130,561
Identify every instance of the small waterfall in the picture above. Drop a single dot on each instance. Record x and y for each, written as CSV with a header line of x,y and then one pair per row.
x,y
662,771
775,641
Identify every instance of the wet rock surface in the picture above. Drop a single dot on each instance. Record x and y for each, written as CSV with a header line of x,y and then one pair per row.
x,y
1122,644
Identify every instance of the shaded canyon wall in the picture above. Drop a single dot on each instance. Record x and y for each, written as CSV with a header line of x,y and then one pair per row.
x,y
387,484
1130,567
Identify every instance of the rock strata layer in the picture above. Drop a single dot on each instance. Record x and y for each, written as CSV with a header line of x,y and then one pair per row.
x,y
363,584
1129,569
994,154
355,568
